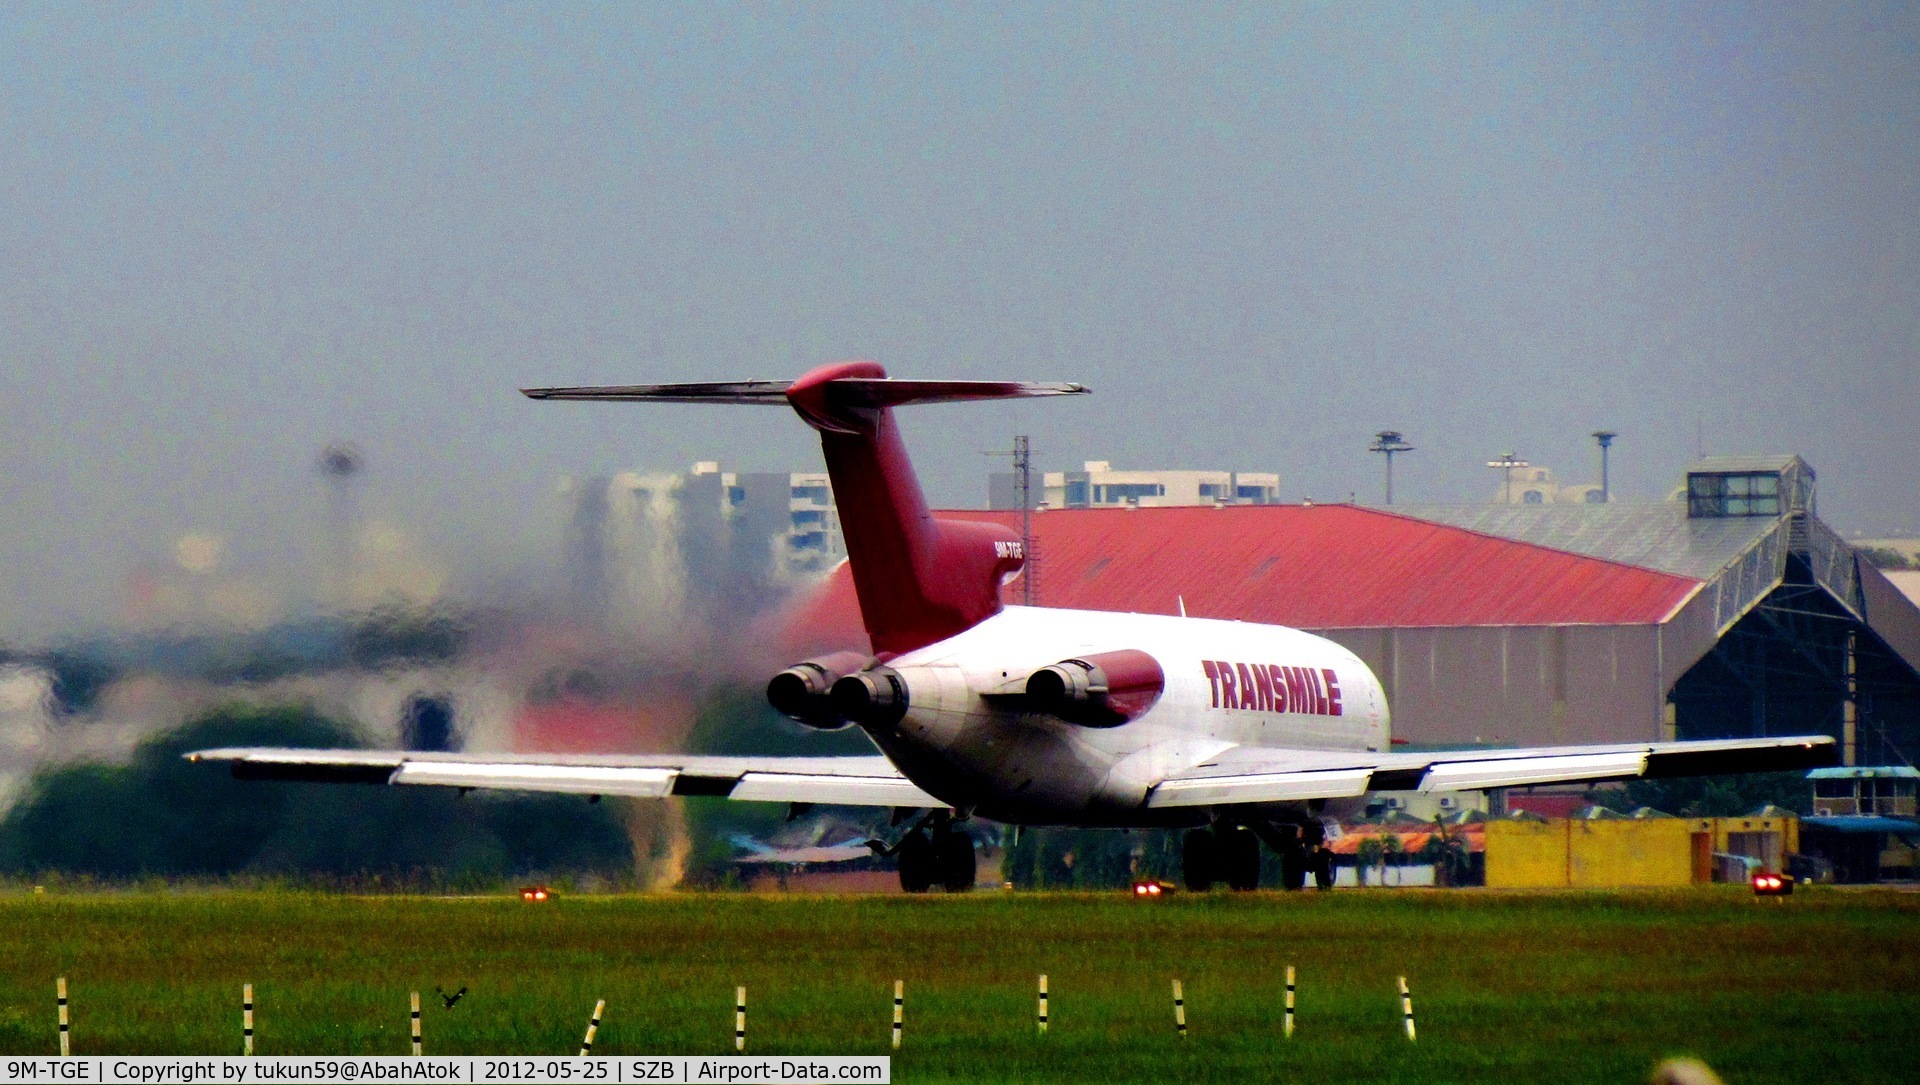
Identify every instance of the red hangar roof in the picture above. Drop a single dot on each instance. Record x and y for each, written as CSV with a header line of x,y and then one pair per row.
x,y
1306,566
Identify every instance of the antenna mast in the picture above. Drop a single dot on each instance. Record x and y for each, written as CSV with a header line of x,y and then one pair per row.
x,y
1023,483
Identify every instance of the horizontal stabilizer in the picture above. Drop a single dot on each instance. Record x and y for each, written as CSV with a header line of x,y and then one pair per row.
x,y
847,391
887,392
772,393
919,580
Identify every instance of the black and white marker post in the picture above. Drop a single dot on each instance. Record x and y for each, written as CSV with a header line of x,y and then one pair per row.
x,y
415,1000
1179,1010
739,1018
1289,1002
1043,1003
1406,1007
60,993
246,1019
899,1006
593,1026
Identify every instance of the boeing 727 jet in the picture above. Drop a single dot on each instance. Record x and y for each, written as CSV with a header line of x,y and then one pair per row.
x,y
1238,732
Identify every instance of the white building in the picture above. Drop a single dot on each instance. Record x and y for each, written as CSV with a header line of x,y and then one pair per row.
x,y
1098,485
643,546
1532,485
810,541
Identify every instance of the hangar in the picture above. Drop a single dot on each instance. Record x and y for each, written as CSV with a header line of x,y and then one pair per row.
x,y
1731,611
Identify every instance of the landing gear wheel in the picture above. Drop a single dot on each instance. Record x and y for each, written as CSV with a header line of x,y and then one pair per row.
x,y
954,857
1199,861
1293,867
1285,840
916,860
1239,857
1323,868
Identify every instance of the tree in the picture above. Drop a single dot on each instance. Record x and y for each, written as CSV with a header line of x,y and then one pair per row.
x,y
1378,850
1710,796
1885,557
1368,855
1449,854
160,815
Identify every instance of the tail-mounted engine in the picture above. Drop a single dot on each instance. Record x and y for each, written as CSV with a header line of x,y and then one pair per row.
x,y
1104,690
802,691
871,698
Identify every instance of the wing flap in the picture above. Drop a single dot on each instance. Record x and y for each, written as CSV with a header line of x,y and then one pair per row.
x,y
307,766
1753,755
1249,775
829,781
313,774
831,790
645,783
1522,771
1261,787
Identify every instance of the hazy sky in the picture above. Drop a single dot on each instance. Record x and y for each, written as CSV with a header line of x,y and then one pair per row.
x,y
232,234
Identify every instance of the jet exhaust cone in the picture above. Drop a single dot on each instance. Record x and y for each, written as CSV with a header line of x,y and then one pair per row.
x,y
802,691
1049,687
1104,690
875,698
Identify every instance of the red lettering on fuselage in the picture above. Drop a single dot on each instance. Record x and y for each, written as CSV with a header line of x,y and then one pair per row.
x,y
1270,687
1333,691
1297,691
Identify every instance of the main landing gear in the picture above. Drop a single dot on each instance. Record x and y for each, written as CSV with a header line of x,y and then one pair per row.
x,y
935,853
1230,853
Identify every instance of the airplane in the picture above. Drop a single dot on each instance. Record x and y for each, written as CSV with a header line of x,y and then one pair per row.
x,y
1240,733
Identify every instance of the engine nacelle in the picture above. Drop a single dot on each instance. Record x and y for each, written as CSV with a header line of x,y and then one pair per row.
x,y
802,691
1104,690
871,698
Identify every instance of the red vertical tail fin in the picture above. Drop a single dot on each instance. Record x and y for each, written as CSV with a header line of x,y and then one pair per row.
x,y
919,579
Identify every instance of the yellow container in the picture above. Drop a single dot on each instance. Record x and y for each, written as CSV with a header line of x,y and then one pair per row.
x,y
1607,853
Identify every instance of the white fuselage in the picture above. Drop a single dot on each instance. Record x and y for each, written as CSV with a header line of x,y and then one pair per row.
x,y
959,742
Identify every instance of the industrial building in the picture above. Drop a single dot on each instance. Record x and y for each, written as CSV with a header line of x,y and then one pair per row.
x,y
1732,612
1865,824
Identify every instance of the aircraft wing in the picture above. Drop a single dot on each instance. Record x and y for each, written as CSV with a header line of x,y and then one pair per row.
x,y
829,781
1243,775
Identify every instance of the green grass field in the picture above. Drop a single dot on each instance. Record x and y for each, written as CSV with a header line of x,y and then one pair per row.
x,y
1507,987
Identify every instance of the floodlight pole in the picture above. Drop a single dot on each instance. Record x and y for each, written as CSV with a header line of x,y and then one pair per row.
x,y
1605,437
1023,479
1387,442
340,463
1507,462
1023,487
